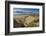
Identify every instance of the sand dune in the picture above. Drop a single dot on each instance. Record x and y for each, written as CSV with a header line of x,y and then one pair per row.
x,y
26,20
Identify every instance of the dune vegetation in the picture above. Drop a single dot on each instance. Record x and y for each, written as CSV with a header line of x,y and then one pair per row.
x,y
26,21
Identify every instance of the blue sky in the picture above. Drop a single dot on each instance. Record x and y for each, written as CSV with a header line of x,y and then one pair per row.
x,y
25,10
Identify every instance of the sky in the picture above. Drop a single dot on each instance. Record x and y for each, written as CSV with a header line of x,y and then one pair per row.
x,y
25,11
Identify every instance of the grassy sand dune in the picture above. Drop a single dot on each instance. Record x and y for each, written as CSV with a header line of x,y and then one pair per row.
x,y
26,21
